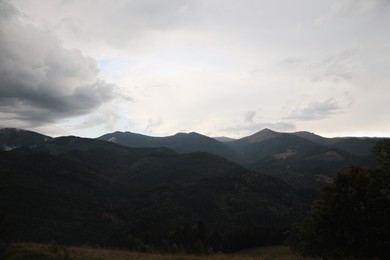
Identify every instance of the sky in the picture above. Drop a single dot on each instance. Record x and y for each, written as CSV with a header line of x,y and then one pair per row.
x,y
216,67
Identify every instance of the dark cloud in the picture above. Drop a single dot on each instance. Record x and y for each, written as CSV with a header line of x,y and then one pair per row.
x,y
316,110
40,80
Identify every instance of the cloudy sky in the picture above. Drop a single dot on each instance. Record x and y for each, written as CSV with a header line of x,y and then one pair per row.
x,y
217,67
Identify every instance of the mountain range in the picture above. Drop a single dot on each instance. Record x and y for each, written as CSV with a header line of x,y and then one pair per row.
x,y
127,190
303,159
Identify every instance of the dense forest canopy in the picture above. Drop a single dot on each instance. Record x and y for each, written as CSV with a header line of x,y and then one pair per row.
x,y
352,218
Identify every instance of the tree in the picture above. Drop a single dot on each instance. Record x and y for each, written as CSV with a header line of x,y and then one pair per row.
x,y
382,154
4,223
4,236
352,218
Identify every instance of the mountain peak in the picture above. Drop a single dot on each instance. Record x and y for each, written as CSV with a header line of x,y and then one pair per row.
x,y
267,130
190,134
262,135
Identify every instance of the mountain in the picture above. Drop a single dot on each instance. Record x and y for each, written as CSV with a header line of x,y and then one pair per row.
x,y
250,149
286,155
301,146
180,142
269,143
11,138
86,191
313,137
260,136
302,159
360,146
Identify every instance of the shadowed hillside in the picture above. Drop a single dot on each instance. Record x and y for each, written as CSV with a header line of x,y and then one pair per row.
x,y
11,138
304,160
85,191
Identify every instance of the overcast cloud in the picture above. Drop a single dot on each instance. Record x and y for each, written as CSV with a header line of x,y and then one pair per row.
x,y
218,67
41,82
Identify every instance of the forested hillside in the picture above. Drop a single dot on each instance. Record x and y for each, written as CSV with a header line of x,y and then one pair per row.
x,y
83,191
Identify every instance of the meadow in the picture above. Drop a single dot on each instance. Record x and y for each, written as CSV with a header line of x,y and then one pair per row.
x,y
53,251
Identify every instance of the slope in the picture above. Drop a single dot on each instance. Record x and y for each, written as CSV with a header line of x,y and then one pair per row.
x,y
11,138
304,160
359,146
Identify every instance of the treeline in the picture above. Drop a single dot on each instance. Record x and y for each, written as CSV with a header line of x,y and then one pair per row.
x,y
4,235
197,239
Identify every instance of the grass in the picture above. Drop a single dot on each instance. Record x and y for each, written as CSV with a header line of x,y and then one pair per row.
x,y
52,251
267,251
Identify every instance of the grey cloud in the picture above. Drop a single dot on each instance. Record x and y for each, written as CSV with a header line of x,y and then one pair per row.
x,y
249,116
152,124
120,23
41,81
251,125
107,117
316,110
339,75
358,7
335,68
7,11
125,97
338,58
288,62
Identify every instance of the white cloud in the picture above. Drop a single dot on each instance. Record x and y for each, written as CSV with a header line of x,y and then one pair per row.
x,y
249,116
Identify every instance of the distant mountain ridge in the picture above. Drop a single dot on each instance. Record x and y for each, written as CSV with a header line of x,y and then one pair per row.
x,y
180,142
286,155
360,146
302,158
11,138
189,142
269,143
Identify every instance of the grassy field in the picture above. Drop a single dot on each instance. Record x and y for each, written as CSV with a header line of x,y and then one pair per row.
x,y
50,251
267,252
